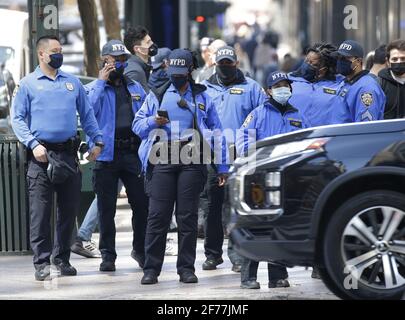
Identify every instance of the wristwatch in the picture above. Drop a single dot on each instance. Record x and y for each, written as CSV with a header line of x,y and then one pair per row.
x,y
99,144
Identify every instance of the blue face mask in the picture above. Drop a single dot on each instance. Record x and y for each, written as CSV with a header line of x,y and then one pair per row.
x,y
308,72
344,67
120,65
281,95
179,82
56,60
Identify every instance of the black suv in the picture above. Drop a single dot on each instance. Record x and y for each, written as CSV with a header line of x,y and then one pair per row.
x,y
332,197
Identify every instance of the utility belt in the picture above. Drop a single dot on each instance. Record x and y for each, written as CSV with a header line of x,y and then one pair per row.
x,y
70,146
130,144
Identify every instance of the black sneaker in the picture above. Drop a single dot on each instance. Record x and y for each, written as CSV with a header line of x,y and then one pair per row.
x,y
43,273
283,283
211,264
251,284
315,273
107,266
138,258
149,278
66,269
188,277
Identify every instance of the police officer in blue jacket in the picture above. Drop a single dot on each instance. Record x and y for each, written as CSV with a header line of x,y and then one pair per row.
x,y
116,99
169,123
361,97
275,116
44,119
315,84
159,77
234,97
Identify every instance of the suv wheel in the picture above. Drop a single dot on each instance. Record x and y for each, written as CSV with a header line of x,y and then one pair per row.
x,y
364,247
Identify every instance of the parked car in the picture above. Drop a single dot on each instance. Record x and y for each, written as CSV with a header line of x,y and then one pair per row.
x,y
332,197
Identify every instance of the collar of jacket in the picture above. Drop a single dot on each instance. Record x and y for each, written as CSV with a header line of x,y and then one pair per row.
x,y
196,89
240,79
357,77
147,68
282,109
386,75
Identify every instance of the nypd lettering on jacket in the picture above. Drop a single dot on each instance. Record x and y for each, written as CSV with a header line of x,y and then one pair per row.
x,y
234,103
267,121
360,99
146,128
46,109
102,99
314,100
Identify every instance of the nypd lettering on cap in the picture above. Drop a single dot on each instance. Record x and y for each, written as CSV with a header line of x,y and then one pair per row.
x,y
279,75
118,47
226,52
346,46
178,62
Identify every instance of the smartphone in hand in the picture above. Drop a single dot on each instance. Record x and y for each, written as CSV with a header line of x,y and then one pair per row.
x,y
163,113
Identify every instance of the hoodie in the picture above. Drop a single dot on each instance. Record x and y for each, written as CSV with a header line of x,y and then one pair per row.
x,y
395,93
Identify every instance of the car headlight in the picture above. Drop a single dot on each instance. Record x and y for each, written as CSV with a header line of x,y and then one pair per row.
x,y
256,189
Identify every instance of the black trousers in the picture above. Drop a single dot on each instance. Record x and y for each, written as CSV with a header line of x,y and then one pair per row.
x,y
169,185
127,167
249,271
40,194
211,202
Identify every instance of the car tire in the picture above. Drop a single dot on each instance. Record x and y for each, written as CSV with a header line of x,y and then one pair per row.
x,y
349,240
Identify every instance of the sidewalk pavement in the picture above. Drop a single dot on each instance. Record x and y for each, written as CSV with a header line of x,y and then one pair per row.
x,y
17,278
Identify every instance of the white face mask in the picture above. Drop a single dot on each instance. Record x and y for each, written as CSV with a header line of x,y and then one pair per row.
x,y
281,95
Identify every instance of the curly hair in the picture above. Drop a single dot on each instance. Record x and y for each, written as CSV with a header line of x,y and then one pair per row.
x,y
325,51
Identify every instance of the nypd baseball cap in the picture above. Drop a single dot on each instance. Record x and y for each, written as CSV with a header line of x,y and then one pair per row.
x,y
115,48
163,54
180,62
276,77
350,48
226,52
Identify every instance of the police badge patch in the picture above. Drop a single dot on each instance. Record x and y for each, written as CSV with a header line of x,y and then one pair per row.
x,y
367,99
248,120
69,86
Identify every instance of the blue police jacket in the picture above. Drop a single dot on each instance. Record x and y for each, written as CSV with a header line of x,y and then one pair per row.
x,y
268,120
102,98
207,120
46,110
235,102
360,99
314,99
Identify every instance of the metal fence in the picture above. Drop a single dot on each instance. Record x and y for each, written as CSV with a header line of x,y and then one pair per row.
x,y
14,217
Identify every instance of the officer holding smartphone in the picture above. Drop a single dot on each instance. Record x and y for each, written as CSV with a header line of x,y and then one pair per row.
x,y
175,180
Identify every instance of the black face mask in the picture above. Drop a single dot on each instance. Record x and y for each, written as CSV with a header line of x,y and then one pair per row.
x,y
226,73
153,50
179,82
56,60
398,68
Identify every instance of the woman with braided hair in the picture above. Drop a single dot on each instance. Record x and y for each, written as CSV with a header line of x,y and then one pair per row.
x,y
315,84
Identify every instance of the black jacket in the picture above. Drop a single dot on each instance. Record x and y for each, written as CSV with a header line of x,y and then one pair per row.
x,y
395,93
139,71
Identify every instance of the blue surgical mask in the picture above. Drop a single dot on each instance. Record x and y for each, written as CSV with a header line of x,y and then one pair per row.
x,y
308,72
344,67
56,60
120,65
281,95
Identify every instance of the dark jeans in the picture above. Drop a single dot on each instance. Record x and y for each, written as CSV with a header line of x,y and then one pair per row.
x,y
169,185
249,271
213,228
40,193
126,166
